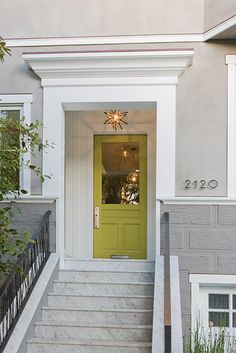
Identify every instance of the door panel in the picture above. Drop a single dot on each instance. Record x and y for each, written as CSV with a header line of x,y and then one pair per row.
x,y
120,192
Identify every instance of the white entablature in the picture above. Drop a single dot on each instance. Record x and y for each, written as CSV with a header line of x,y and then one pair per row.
x,y
109,67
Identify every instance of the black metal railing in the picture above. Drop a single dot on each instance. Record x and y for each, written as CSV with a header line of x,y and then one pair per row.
x,y
167,285
18,285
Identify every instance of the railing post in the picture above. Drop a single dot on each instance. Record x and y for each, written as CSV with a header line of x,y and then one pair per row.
x,y
167,288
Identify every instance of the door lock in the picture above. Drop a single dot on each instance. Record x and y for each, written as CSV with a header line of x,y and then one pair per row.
x,y
96,217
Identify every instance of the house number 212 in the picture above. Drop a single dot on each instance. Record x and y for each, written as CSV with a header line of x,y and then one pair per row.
x,y
201,184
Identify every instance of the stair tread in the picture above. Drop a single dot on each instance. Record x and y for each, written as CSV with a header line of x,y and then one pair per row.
x,y
110,261
98,296
102,283
89,342
98,310
92,325
108,270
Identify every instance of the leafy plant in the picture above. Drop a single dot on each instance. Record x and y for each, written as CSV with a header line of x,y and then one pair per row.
x,y
17,139
200,341
3,49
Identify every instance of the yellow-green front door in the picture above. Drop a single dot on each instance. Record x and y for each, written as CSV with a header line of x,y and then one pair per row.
x,y
120,196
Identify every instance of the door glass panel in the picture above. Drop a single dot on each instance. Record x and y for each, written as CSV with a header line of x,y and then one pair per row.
x,y
120,173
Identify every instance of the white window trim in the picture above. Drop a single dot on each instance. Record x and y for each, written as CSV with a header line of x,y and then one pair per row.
x,y
199,281
23,103
231,62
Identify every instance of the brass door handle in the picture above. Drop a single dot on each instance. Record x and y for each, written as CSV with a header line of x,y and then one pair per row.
x,y
96,217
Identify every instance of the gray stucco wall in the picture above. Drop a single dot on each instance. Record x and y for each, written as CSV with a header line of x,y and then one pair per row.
x,y
218,11
201,125
26,18
27,217
204,239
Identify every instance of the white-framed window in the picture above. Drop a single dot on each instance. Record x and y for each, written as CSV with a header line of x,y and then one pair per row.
x,y
219,305
213,302
16,106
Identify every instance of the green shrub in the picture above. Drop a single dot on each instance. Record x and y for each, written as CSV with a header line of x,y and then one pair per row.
x,y
212,341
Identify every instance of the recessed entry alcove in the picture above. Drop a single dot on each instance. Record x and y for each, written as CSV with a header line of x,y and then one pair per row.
x,y
82,126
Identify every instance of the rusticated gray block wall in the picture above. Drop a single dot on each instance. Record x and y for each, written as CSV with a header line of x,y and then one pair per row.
x,y
27,217
204,238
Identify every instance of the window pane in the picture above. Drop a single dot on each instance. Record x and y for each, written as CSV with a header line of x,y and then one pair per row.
x,y
219,319
234,301
120,173
10,114
234,319
218,301
10,141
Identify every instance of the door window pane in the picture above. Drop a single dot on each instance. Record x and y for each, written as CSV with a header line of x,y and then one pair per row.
x,y
120,173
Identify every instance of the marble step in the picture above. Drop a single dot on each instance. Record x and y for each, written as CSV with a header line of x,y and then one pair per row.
x,y
54,345
106,276
111,316
109,265
137,333
138,288
71,300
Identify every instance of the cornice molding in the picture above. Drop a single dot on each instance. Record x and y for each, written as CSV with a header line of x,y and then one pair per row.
x,y
104,40
220,28
131,67
122,39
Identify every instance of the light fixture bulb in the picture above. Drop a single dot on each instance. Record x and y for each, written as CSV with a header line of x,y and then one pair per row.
x,y
115,118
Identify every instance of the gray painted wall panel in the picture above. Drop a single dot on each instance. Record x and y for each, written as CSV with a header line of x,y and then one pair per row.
x,y
208,248
218,11
201,136
27,18
186,214
27,217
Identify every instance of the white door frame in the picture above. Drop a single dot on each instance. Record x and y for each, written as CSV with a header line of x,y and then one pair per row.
x,y
91,78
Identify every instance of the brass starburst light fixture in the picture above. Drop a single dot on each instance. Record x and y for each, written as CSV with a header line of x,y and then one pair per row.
x,y
115,118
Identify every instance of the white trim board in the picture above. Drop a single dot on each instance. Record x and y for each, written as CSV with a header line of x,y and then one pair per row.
x,y
104,40
16,98
231,62
220,28
212,279
199,201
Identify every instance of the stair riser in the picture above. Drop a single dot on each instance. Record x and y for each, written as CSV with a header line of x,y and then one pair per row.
x,y
117,334
66,348
109,265
99,303
103,289
122,277
137,318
